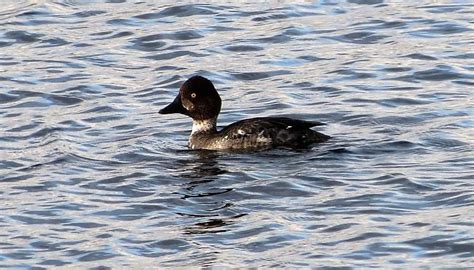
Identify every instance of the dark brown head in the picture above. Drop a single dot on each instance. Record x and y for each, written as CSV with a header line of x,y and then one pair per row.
x,y
197,99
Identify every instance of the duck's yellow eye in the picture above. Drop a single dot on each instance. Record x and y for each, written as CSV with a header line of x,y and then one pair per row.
x,y
193,95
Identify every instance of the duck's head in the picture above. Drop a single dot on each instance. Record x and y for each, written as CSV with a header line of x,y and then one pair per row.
x,y
197,99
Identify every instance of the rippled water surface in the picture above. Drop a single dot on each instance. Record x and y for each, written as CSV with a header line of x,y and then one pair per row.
x,y
91,176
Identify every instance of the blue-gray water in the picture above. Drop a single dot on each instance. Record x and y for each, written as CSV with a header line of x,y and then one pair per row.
x,y
91,176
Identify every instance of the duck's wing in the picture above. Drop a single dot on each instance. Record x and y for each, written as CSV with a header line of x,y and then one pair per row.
x,y
250,127
266,127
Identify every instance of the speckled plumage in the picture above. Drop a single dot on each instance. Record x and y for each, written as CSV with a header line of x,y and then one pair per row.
x,y
199,100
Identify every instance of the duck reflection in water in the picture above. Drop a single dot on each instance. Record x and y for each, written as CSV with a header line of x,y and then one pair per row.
x,y
204,199
202,167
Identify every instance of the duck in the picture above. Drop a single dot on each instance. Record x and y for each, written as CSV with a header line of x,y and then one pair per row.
x,y
199,99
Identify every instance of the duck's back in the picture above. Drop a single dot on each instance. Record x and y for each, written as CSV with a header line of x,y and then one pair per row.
x,y
270,132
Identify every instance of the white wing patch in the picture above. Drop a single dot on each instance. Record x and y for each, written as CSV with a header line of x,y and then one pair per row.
x,y
263,139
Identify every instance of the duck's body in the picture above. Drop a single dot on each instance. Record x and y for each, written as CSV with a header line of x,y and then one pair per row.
x,y
199,100
264,132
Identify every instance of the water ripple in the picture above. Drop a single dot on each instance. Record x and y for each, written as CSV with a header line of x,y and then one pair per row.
x,y
93,177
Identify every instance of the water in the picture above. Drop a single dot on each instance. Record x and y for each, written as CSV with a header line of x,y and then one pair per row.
x,y
92,176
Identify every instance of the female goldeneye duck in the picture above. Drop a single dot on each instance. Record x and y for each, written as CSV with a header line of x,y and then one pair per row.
x,y
199,100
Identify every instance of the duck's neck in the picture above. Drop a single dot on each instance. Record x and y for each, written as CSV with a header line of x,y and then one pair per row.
x,y
204,126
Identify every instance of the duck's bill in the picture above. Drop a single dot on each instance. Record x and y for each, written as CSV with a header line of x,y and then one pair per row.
x,y
174,107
